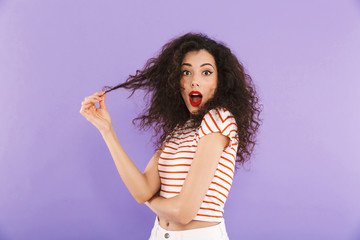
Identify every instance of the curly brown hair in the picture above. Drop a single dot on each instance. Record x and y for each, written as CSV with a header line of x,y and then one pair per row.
x,y
165,109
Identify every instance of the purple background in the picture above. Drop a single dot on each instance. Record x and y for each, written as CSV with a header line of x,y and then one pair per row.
x,y
57,178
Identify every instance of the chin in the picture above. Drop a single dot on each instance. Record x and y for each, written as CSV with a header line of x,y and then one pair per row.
x,y
194,110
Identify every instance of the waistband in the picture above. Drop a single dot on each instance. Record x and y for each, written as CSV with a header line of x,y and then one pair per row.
x,y
212,232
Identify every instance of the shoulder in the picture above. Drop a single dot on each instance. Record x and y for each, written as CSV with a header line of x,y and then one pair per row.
x,y
218,120
219,114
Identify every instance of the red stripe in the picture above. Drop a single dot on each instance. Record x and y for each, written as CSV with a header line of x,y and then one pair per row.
x,y
172,178
173,142
215,197
211,209
176,158
230,153
228,126
217,110
220,186
188,146
207,125
231,132
178,152
169,191
223,120
212,203
171,185
222,179
190,136
186,141
214,122
182,130
218,192
208,215
202,130
225,173
175,165
226,167
228,160
228,117
167,146
173,172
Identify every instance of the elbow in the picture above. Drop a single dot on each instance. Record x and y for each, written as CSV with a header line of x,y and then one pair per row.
x,y
142,198
184,220
185,215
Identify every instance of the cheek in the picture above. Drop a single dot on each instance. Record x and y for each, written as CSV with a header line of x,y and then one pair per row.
x,y
182,88
213,86
182,84
212,93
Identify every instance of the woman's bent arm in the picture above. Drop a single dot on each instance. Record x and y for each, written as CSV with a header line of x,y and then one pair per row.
x,y
184,207
141,186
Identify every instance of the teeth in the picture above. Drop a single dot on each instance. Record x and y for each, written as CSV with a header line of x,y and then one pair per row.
x,y
195,95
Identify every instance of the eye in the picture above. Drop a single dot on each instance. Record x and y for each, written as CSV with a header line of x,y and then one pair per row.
x,y
186,72
207,72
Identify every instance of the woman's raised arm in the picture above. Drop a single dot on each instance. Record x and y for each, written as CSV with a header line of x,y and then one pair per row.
x,y
141,185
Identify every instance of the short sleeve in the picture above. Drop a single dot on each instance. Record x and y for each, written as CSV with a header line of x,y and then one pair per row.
x,y
219,120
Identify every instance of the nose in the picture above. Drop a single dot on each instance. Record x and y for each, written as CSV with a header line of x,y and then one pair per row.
x,y
194,82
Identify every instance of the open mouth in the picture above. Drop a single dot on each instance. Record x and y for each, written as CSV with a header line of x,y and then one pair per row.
x,y
195,98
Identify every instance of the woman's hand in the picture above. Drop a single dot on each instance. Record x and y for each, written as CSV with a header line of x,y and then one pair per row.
x,y
99,117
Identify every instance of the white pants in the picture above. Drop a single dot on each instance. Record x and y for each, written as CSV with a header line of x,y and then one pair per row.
x,y
217,232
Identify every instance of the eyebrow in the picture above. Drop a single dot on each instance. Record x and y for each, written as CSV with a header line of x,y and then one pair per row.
x,y
204,64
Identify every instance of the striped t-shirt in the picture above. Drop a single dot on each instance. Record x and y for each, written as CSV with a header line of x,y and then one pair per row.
x,y
178,153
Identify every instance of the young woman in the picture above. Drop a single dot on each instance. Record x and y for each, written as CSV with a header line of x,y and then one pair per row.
x,y
205,113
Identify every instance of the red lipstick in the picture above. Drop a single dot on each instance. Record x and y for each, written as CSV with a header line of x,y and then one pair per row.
x,y
195,98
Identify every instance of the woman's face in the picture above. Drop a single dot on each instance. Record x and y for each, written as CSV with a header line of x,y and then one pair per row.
x,y
199,79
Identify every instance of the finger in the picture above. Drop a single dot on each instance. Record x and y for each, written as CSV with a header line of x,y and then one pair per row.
x,y
84,111
87,115
97,96
88,103
94,96
102,102
88,112
85,108
91,99
99,93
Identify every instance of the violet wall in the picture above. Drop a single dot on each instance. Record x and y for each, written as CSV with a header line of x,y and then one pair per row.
x,y
57,178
